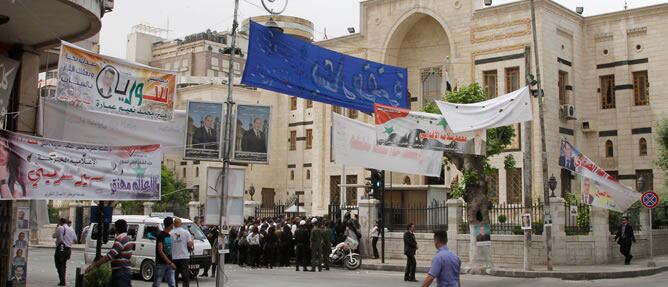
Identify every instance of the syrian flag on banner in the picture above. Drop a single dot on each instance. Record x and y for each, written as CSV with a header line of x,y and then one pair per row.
x,y
505,110
418,130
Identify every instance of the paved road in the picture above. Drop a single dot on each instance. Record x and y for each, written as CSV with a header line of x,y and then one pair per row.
x,y
42,273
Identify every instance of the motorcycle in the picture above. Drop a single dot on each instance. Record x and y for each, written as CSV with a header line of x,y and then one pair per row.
x,y
343,254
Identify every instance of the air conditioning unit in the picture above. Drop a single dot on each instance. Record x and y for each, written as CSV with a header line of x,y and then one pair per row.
x,y
588,126
567,112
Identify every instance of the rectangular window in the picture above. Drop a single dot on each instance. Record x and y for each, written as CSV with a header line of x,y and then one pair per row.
x,y
309,104
351,192
512,79
514,185
431,80
493,186
293,140
309,138
490,84
293,103
352,113
608,92
563,82
641,88
336,109
184,172
196,171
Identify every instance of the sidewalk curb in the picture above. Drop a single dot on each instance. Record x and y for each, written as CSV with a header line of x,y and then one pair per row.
x,y
53,247
564,275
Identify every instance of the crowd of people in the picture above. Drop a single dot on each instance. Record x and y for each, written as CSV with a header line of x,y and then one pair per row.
x,y
270,242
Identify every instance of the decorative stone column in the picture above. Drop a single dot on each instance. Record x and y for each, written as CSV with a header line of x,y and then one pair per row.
x,y
644,221
148,207
558,212
249,208
455,209
193,209
368,214
601,233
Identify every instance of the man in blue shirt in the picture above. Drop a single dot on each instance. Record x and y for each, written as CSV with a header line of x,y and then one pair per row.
x,y
445,266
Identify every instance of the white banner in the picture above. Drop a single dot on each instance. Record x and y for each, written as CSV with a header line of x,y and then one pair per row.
x,y
505,110
233,200
418,130
8,70
39,168
75,125
355,145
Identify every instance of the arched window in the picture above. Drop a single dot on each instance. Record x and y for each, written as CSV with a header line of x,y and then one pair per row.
x,y
292,175
609,149
642,145
308,174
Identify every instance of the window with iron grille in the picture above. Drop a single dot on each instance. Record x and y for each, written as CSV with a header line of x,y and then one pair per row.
x,y
336,109
352,113
608,92
309,104
609,149
642,146
514,185
490,83
563,82
493,186
351,192
641,88
293,140
309,139
293,103
512,79
431,80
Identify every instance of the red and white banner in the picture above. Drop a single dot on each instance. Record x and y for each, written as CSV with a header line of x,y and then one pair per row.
x,y
418,130
355,145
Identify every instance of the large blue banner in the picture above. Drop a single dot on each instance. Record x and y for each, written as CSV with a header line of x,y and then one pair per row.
x,y
285,64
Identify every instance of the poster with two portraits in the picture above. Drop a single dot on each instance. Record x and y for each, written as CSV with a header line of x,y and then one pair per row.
x,y
250,132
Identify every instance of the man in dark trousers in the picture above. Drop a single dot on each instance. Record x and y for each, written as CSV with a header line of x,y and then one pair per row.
x,y
302,240
625,238
410,247
65,237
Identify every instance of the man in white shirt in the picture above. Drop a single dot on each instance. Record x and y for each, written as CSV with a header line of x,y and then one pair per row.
x,y
182,243
65,237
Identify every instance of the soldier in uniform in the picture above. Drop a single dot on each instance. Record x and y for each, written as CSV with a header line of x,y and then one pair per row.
x,y
316,245
301,242
326,245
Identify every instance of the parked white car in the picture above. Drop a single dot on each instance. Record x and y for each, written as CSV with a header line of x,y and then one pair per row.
x,y
144,230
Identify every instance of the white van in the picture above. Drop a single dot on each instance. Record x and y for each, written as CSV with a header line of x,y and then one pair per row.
x,y
144,230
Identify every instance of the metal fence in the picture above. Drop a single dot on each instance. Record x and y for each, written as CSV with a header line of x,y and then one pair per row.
x,y
507,219
335,211
660,216
633,213
278,210
578,219
426,218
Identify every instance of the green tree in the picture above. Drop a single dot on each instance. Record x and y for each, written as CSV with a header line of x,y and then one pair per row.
x,y
174,197
662,140
475,169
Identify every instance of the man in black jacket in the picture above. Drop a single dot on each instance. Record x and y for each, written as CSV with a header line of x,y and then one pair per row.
x,y
625,238
302,241
410,247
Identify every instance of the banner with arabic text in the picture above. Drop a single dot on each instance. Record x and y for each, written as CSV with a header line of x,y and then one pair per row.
x,y
8,70
109,85
598,187
419,130
355,145
287,65
39,168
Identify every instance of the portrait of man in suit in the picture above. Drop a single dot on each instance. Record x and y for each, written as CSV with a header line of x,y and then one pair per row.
x,y
106,84
206,136
566,158
482,235
254,139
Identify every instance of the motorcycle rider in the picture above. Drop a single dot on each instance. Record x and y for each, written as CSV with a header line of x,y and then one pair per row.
x,y
301,242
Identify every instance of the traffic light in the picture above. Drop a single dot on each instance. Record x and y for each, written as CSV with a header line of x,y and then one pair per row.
x,y
375,182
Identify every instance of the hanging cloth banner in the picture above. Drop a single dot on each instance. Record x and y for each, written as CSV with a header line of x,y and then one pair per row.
x,y
355,145
74,125
287,65
598,187
8,71
110,85
505,110
405,128
39,168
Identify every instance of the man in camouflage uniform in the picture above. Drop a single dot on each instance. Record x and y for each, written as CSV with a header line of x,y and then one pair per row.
x,y
316,245
326,245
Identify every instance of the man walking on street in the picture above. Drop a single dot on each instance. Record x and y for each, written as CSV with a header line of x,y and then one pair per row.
x,y
326,244
119,255
301,242
182,243
65,237
625,238
410,247
164,267
445,266
375,235
316,246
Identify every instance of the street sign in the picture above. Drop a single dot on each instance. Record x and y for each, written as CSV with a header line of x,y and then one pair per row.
x,y
650,199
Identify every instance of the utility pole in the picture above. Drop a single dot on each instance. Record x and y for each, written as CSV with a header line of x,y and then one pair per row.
x,y
382,215
220,275
546,196
528,201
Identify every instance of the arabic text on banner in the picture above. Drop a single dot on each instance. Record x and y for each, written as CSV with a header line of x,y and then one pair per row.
x,y
8,71
109,85
511,108
74,125
598,187
287,65
418,130
355,145
39,168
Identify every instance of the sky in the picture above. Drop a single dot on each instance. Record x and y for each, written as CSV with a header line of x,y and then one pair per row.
x,y
184,17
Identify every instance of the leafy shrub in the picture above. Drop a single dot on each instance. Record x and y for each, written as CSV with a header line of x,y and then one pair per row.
x,y
502,218
99,277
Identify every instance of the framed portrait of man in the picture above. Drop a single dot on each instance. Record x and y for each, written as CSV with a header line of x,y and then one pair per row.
x,y
203,130
251,134
526,221
482,233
